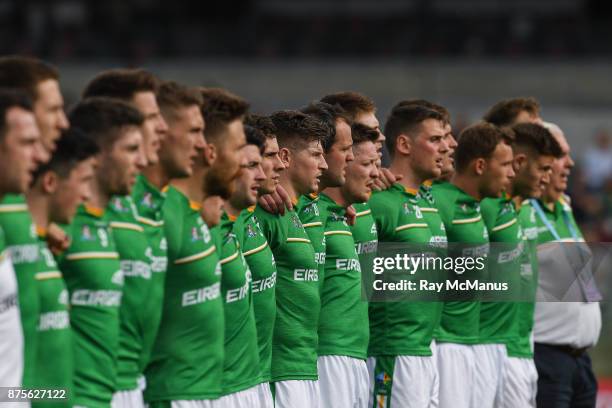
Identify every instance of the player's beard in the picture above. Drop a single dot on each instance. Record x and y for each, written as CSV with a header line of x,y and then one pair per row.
x,y
218,182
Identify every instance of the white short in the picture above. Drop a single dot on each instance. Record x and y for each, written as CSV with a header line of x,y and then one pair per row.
x,y
456,372
265,395
194,404
488,374
403,382
520,383
248,398
128,399
297,394
343,382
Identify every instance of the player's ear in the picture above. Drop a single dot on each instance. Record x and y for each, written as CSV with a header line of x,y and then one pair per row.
x,y
403,144
49,182
285,156
210,153
520,160
480,166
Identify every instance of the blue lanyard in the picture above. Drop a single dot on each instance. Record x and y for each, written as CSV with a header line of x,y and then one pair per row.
x,y
549,226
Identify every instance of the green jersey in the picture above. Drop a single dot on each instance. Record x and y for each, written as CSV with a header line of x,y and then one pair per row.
x,y
95,282
309,211
134,254
54,359
343,325
259,257
149,201
464,226
187,358
364,233
294,346
241,368
407,327
520,346
562,220
498,320
22,245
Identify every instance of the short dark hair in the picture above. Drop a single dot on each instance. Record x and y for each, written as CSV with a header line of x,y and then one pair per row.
x,y
480,141
505,112
294,129
25,73
406,120
12,98
362,133
219,108
101,118
121,84
536,138
328,115
172,96
262,123
73,147
427,104
255,137
353,103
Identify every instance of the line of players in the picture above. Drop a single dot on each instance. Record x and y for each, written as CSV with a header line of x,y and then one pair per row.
x,y
142,301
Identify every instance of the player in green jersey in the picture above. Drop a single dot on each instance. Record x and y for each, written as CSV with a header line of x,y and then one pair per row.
x,y
145,259
563,331
294,347
19,157
59,187
404,371
259,256
187,361
483,161
511,220
343,327
39,81
95,298
242,371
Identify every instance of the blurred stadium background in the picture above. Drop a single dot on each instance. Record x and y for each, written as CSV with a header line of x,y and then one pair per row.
x,y
465,54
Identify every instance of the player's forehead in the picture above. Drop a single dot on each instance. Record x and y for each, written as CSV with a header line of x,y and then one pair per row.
x,y
368,119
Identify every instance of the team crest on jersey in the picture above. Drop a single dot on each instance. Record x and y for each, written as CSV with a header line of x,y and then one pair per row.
x,y
194,234
86,234
407,208
118,205
338,218
312,208
251,232
506,209
464,208
147,201
218,269
295,221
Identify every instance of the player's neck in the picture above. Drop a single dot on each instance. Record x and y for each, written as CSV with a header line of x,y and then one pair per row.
x,y
468,184
232,210
99,198
286,182
550,197
193,186
409,178
156,175
38,204
335,193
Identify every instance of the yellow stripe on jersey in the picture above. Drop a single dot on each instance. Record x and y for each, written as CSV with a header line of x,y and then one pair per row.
x,y
313,224
468,220
256,250
48,275
126,225
326,233
504,226
229,258
429,209
149,222
195,257
304,240
362,213
92,255
408,226
8,208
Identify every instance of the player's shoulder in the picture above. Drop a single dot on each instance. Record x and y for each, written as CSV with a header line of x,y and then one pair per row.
x,y
13,203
